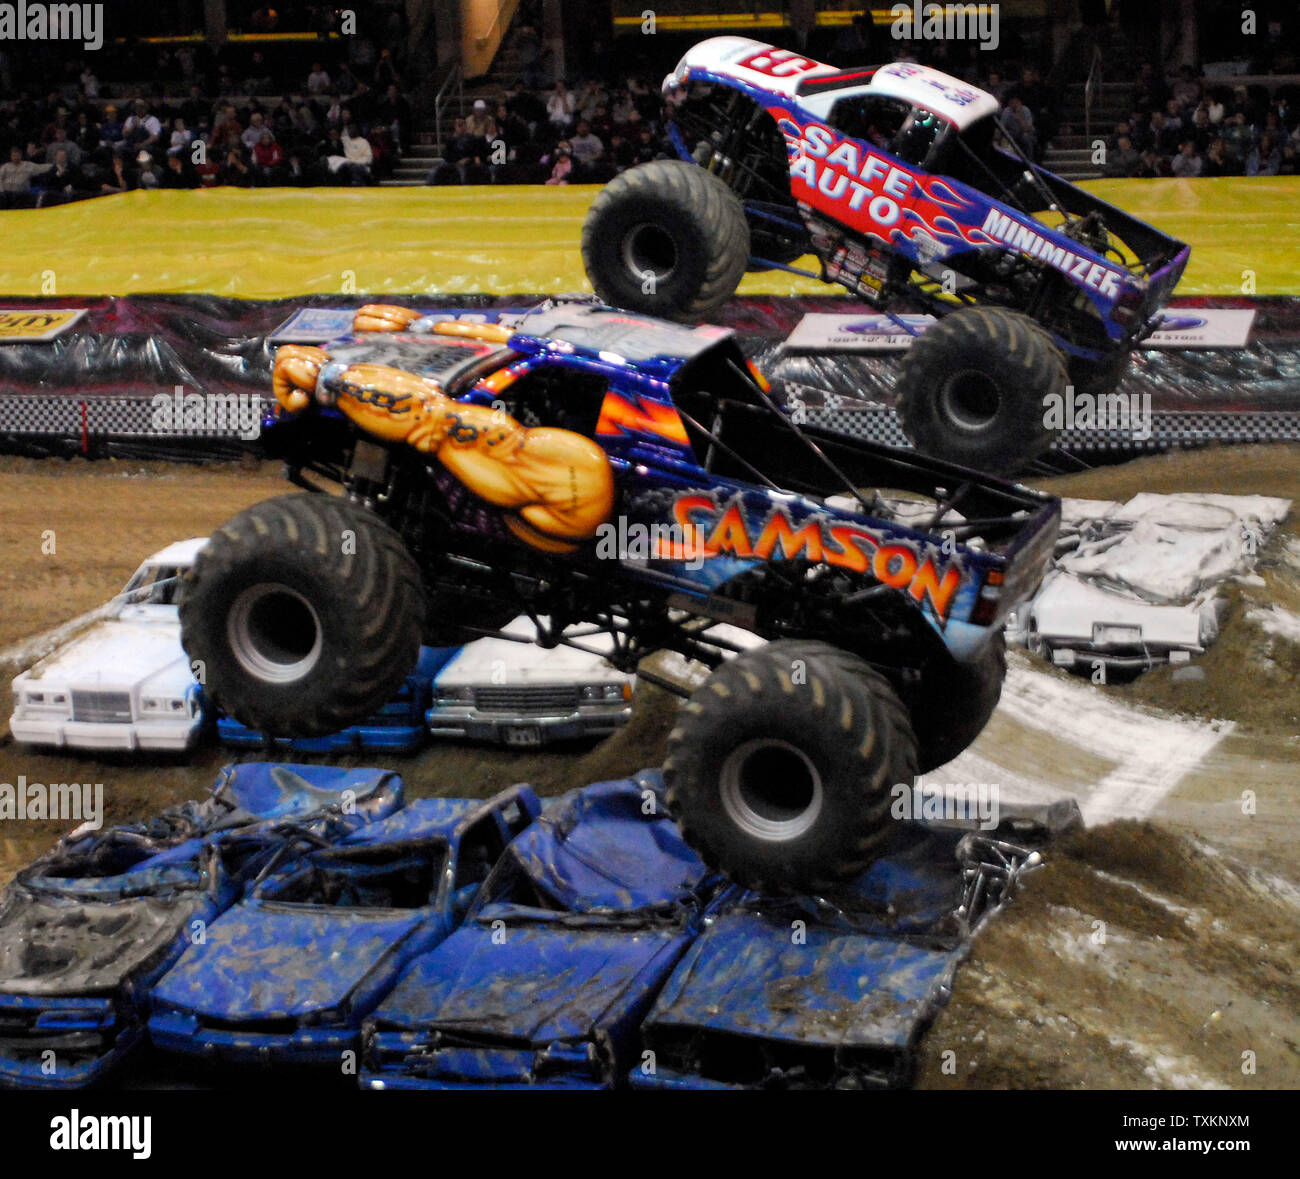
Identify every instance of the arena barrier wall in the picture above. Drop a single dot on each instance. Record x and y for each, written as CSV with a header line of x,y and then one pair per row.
x,y
508,239
94,388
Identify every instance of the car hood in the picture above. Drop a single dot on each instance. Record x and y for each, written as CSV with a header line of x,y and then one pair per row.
x,y
744,976
277,961
50,946
722,56
117,652
482,662
546,982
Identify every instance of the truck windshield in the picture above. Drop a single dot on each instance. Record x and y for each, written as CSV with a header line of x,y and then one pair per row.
x,y
906,131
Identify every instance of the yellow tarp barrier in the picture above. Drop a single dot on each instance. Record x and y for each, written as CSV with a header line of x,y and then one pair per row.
x,y
278,243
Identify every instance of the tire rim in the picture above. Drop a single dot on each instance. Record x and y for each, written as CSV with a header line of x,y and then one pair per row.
x,y
770,789
650,252
970,400
274,633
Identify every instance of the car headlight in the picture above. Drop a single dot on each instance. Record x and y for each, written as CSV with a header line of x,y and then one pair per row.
x,y
163,704
605,693
45,699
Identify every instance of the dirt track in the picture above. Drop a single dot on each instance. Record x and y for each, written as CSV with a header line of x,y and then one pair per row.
x,y
1192,928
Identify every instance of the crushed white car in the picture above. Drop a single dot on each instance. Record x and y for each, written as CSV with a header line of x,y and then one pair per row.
x,y
124,682
1136,585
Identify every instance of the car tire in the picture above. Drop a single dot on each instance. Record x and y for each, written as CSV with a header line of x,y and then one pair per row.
x,y
781,767
954,703
302,615
973,389
673,221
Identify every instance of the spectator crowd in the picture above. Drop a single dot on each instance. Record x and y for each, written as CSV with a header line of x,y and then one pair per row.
x,y
1188,126
580,135
340,120
588,131
343,117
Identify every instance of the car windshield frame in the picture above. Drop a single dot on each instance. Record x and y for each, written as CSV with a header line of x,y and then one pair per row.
x,y
147,580
911,112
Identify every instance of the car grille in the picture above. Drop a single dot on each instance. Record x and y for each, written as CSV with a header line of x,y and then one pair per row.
x,y
527,699
112,708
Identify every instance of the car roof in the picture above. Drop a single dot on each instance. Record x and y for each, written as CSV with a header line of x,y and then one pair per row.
x,y
181,552
619,335
440,358
948,97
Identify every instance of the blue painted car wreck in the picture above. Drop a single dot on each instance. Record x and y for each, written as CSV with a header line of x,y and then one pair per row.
x,y
288,974
87,929
546,983
398,727
836,992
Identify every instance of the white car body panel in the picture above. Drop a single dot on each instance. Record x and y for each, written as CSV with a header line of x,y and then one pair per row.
x,y
720,55
486,661
491,679
950,98
1070,610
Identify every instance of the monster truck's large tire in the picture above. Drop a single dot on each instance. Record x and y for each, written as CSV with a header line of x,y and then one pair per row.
x,y
667,238
781,766
972,389
1097,378
954,704
305,613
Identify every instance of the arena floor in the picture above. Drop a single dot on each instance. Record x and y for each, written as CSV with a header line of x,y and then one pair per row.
x,y
1198,899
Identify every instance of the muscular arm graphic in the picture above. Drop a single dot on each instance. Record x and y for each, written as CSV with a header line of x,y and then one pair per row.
x,y
557,484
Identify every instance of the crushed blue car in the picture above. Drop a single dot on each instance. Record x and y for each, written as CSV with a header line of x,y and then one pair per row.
x,y
398,727
546,983
87,929
837,992
288,974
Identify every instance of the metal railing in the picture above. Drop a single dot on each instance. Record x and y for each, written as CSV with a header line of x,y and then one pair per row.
x,y
1090,89
454,82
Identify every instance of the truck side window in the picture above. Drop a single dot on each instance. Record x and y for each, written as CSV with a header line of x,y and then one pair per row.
x,y
903,130
872,118
555,395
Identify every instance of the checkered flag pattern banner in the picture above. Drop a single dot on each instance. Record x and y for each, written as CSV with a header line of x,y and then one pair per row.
x,y
139,417
1169,429
128,417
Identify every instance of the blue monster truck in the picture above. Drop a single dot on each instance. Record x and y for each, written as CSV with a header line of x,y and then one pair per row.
x,y
604,472
903,184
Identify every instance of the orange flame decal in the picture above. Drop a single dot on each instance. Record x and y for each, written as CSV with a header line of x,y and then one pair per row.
x,y
618,415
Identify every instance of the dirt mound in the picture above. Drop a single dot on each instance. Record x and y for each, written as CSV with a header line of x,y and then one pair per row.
x,y
1137,957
